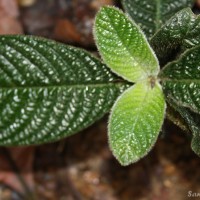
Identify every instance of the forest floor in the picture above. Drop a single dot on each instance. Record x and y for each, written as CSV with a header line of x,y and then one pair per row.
x,y
82,167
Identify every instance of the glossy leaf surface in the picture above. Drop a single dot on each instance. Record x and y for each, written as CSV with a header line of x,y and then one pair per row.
x,y
49,90
181,31
151,15
181,80
135,122
123,46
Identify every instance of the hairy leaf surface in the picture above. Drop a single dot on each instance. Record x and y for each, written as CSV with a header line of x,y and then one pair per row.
x,y
181,80
193,120
123,46
181,31
151,15
49,90
174,116
135,122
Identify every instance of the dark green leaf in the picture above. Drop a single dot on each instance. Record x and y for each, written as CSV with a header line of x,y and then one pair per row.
x,y
195,144
151,15
181,31
193,121
174,116
49,90
181,80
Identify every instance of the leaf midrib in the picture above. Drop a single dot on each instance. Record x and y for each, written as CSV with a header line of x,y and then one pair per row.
x,y
64,86
158,14
180,80
128,49
141,108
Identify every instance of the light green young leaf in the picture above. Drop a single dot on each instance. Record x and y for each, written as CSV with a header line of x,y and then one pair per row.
x,y
49,90
123,46
181,80
152,14
135,122
181,31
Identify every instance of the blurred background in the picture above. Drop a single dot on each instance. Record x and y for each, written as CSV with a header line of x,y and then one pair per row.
x,y
82,167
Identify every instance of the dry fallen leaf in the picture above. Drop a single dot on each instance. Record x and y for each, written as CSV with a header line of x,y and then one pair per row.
x,y
23,160
26,3
198,3
9,24
9,8
66,31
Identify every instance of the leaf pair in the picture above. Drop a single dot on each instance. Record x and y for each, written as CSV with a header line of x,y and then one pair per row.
x,y
138,114
151,15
